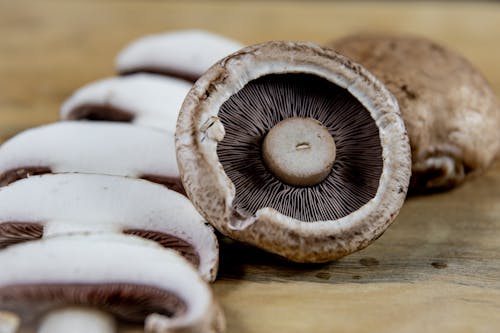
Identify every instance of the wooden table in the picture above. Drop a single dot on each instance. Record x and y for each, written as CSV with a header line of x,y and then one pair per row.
x,y
437,269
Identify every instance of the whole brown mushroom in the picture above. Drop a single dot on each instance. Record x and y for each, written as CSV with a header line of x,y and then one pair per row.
x,y
450,111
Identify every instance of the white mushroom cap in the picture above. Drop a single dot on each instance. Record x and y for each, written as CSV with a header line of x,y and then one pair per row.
x,y
145,99
184,53
200,133
123,274
69,203
101,148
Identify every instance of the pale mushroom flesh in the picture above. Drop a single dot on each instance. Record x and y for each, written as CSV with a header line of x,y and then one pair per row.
x,y
94,271
60,204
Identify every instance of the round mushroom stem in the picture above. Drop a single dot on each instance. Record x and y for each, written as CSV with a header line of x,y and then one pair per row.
x,y
9,322
77,320
299,151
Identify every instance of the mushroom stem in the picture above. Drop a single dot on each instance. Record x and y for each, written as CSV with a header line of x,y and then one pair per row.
x,y
77,320
9,322
299,151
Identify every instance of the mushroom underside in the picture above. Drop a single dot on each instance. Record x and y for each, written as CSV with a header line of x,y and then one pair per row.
x,y
252,112
172,183
129,302
17,232
19,173
98,112
169,241
171,72
438,172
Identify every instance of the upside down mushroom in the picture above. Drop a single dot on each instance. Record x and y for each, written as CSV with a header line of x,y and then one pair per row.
x,y
294,149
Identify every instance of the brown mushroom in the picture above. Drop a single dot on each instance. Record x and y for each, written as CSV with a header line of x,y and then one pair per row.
x,y
48,205
315,210
451,113
89,279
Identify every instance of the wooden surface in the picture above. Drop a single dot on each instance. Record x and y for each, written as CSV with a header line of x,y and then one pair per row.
x,y
437,269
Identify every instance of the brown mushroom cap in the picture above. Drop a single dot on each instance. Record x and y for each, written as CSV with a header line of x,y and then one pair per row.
x,y
232,107
126,276
451,113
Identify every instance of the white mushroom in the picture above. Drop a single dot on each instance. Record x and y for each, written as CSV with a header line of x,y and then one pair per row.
x,y
47,205
101,148
9,322
94,277
186,53
142,99
290,208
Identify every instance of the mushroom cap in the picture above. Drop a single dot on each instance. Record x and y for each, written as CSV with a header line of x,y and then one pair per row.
x,y
143,99
101,148
199,131
450,111
58,204
184,53
126,275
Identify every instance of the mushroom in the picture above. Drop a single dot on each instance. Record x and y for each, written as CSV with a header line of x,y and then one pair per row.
x,y
48,205
89,279
319,204
450,111
101,148
142,99
9,322
185,54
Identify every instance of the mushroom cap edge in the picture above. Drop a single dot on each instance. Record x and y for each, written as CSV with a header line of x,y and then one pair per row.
x,y
212,192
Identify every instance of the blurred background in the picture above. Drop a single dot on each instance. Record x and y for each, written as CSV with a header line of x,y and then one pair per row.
x,y
50,48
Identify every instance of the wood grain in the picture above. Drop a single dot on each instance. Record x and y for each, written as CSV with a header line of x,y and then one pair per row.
x,y
437,269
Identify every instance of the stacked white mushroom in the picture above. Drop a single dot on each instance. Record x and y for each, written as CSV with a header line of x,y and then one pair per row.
x,y
89,228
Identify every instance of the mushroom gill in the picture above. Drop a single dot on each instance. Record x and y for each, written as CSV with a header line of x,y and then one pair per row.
x,y
129,302
261,104
18,232
15,174
100,113
168,241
